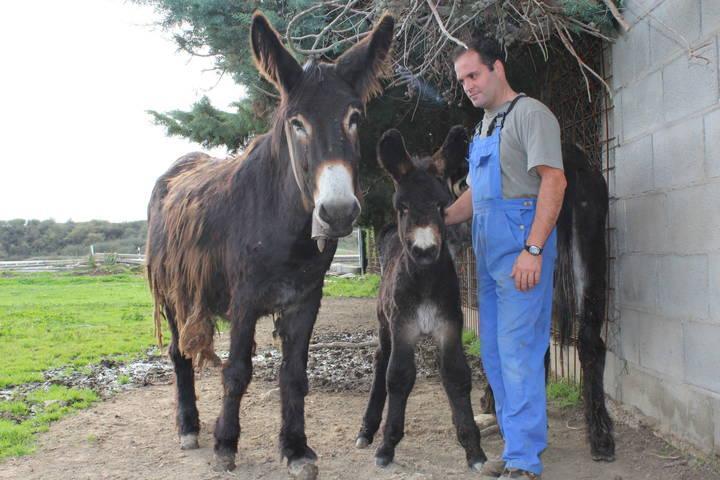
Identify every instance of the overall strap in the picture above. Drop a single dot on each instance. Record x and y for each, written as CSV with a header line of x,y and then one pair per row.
x,y
500,116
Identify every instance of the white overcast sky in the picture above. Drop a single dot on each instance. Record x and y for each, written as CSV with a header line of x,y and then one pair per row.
x,y
77,77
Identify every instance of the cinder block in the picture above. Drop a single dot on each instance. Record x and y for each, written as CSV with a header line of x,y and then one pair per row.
x,y
611,376
691,84
714,289
633,167
715,402
712,142
631,54
678,154
694,216
710,19
642,106
682,410
684,287
633,324
661,346
702,355
616,215
646,224
673,24
639,281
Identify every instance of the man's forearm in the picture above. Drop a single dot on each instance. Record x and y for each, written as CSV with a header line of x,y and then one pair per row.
x,y
461,210
549,203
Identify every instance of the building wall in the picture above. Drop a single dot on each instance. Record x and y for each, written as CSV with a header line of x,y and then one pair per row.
x,y
665,337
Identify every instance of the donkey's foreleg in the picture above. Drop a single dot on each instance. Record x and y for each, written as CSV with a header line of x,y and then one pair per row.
x,y
295,329
591,349
457,381
378,393
186,415
400,380
237,374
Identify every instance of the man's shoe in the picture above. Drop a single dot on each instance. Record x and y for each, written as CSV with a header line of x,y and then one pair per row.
x,y
516,473
493,468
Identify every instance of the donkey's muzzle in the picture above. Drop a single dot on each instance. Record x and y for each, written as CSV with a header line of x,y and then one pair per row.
x,y
336,218
424,256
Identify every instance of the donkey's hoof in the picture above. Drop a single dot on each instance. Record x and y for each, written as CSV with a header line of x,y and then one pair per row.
x,y
477,466
362,442
383,461
303,469
224,463
603,457
189,441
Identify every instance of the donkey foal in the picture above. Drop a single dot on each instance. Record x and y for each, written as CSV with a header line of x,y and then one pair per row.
x,y
419,295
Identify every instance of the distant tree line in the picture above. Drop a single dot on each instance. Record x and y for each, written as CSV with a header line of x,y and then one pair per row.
x,y
22,239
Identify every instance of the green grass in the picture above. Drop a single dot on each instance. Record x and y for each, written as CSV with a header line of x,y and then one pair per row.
x,y
21,420
363,286
53,320
563,394
62,320
471,343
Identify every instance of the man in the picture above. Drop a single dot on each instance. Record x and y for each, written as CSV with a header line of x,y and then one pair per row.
x,y
516,191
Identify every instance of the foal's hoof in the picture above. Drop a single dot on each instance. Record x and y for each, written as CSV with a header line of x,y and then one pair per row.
x,y
362,442
303,469
189,441
224,463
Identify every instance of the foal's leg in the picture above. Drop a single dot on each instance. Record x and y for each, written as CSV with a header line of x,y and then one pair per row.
x,y
186,415
400,380
237,374
295,329
376,404
457,381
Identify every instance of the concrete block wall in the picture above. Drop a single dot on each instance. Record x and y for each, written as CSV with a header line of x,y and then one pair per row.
x,y
665,340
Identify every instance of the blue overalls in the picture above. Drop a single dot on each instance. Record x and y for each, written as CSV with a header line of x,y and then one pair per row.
x,y
514,325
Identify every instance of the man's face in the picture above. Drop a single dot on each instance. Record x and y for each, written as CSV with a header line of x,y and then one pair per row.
x,y
479,82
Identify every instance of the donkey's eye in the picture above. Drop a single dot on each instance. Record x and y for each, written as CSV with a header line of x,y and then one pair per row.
x,y
354,120
298,126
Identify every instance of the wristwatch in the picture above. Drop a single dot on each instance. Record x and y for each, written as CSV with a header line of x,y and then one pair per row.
x,y
534,250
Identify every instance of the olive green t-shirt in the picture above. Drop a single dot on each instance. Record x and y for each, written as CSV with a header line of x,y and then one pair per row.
x,y
530,137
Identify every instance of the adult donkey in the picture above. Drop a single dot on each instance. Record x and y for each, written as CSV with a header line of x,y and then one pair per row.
x,y
419,295
236,238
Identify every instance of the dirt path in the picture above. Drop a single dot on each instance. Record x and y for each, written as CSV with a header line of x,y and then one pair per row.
x,y
133,434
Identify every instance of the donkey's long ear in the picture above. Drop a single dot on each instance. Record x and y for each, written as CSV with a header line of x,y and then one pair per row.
x,y
449,158
273,60
393,156
363,65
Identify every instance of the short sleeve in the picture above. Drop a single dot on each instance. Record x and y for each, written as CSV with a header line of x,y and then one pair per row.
x,y
542,140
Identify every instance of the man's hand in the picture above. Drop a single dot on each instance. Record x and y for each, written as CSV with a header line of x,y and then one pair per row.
x,y
526,271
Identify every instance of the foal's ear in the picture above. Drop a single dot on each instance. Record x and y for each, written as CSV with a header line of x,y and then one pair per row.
x,y
393,156
450,157
363,65
273,61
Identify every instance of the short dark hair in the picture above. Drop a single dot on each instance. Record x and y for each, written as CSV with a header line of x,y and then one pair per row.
x,y
487,47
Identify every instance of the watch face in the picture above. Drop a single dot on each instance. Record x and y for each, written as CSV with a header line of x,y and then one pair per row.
x,y
534,250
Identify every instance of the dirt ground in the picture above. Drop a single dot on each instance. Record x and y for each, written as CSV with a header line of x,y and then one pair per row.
x,y
132,435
